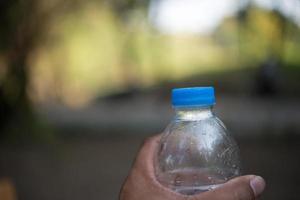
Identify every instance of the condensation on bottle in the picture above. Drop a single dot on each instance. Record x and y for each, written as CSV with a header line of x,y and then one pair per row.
x,y
196,153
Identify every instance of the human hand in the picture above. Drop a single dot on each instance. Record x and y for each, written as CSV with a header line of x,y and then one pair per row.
x,y
141,183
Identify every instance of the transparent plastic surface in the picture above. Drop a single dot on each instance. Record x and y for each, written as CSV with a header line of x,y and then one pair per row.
x,y
196,152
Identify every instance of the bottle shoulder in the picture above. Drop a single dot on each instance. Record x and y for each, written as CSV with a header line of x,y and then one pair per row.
x,y
211,128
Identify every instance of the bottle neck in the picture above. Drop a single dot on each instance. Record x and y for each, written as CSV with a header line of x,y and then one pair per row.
x,y
193,113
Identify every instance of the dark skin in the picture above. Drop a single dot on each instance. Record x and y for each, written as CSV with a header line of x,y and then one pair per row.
x,y
141,183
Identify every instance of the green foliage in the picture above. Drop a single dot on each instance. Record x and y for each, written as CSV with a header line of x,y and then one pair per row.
x,y
262,33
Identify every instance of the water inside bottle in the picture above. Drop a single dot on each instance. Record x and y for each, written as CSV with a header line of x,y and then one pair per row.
x,y
191,181
191,190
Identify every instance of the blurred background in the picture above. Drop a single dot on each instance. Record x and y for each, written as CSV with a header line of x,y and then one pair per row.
x,y
83,83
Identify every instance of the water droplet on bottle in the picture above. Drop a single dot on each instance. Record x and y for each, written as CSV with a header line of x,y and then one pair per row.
x,y
188,150
177,180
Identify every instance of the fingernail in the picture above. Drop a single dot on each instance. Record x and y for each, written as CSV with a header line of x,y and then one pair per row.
x,y
257,184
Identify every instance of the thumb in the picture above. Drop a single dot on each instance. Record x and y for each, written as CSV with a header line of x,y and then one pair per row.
x,y
241,188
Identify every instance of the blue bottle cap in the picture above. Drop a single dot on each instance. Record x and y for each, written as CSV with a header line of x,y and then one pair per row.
x,y
194,96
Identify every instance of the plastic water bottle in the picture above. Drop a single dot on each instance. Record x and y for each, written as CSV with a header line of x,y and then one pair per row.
x,y
196,153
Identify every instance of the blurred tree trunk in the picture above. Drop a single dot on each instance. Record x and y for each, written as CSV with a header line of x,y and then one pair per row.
x,y
15,104
13,98
24,23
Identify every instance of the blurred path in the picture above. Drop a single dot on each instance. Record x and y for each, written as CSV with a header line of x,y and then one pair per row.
x,y
244,116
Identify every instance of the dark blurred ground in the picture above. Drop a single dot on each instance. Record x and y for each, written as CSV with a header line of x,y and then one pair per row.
x,y
95,168
85,163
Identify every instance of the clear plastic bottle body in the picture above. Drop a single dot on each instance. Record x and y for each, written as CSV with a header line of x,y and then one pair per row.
x,y
196,152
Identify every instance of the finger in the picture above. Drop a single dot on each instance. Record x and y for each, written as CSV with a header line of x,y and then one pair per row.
x,y
141,182
145,157
143,167
240,188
